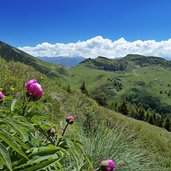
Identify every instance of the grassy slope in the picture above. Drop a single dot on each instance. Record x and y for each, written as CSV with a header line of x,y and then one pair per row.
x,y
11,53
156,140
156,78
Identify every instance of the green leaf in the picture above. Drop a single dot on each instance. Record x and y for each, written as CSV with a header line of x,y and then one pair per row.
x,y
5,157
16,127
23,122
42,151
39,166
21,143
13,104
11,143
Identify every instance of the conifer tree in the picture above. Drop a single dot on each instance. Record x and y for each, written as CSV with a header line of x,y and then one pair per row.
x,y
147,116
151,119
167,123
84,89
159,121
132,111
141,114
69,89
100,98
123,108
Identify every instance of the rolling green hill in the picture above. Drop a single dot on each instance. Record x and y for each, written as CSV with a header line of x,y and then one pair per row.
x,y
10,53
133,144
150,76
125,63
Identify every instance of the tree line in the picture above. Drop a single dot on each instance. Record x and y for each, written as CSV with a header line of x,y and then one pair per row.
x,y
141,107
140,113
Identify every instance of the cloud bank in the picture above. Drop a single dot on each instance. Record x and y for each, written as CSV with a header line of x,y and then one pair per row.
x,y
99,46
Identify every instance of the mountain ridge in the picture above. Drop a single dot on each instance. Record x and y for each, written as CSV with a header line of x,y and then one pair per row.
x,y
10,53
121,64
64,61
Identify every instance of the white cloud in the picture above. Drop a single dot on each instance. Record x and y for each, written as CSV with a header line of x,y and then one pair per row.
x,y
99,46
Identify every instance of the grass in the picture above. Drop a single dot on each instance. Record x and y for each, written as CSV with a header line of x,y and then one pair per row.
x,y
133,140
155,79
120,145
154,140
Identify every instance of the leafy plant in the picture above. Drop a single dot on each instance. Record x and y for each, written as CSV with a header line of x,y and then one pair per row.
x,y
25,143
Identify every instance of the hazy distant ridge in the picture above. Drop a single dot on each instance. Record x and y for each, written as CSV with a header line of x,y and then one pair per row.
x,y
65,61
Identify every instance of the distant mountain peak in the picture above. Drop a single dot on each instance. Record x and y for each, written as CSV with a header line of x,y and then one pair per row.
x,y
64,61
137,56
121,64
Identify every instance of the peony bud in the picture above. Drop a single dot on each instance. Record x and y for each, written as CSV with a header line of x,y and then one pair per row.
x,y
35,90
29,83
107,165
52,131
70,119
1,95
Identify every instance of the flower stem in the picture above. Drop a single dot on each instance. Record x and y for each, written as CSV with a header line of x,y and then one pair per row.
x,y
25,105
63,133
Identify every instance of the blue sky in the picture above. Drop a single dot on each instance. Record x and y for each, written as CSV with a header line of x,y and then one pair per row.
x,y
114,27
29,22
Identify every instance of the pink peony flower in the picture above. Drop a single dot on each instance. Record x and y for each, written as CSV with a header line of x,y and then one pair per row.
x,y
29,83
70,119
107,165
35,90
1,95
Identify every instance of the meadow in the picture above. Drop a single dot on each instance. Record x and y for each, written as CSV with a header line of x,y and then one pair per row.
x,y
97,132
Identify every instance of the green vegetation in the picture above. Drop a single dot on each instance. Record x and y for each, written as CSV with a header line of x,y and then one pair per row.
x,y
97,132
144,82
10,53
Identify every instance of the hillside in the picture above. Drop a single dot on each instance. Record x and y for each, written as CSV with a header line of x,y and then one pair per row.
x,y
143,86
123,64
141,74
10,53
146,139
133,144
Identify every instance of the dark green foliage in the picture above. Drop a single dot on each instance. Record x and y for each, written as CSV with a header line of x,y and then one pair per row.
x,y
105,64
115,83
89,123
69,89
133,111
156,110
167,123
161,92
149,102
169,93
159,121
151,119
114,106
123,108
84,89
147,60
147,116
140,83
141,114
100,97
